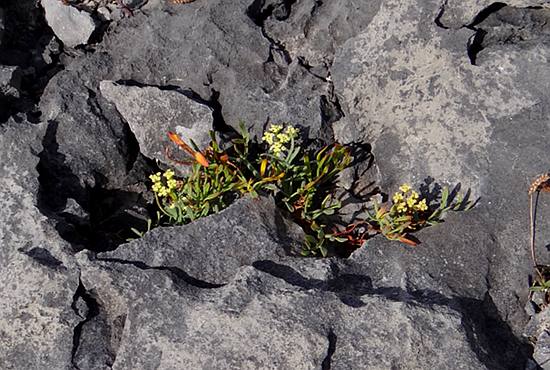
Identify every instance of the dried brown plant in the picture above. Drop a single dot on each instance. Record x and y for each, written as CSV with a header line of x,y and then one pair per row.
x,y
540,184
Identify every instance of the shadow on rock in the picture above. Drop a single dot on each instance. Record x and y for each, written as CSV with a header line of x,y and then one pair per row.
x,y
87,215
489,336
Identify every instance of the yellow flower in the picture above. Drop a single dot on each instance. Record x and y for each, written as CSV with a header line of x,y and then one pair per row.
x,y
411,201
268,137
277,139
292,132
172,183
422,206
155,178
283,138
397,197
401,207
415,195
275,128
163,191
405,188
169,174
276,148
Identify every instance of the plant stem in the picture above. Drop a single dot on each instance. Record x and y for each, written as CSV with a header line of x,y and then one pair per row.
x,y
532,224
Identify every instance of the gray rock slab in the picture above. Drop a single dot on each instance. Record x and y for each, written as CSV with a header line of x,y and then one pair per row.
x,y
39,278
211,249
217,51
10,81
72,26
538,331
151,113
313,31
456,14
88,135
433,116
260,320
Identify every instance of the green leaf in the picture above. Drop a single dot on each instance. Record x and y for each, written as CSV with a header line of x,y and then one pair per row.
x,y
444,197
137,232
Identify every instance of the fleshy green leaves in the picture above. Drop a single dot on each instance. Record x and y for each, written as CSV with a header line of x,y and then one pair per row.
x,y
409,212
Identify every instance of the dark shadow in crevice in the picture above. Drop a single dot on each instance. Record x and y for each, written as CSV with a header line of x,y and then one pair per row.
x,y
177,273
327,361
43,257
87,216
321,72
501,25
439,15
489,337
260,10
331,110
485,13
475,45
29,44
97,337
86,307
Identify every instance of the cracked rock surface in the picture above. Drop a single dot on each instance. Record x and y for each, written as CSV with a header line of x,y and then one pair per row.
x,y
262,321
39,278
443,92
490,137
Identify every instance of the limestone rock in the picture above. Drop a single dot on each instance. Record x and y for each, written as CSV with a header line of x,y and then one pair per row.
x,y
151,113
433,118
259,320
72,26
211,249
39,278
10,81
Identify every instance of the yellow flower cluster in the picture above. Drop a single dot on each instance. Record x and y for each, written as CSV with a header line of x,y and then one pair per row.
x,y
407,199
277,138
163,188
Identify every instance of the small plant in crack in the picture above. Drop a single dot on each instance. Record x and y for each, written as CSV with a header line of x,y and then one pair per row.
x,y
300,181
214,182
409,212
303,182
541,283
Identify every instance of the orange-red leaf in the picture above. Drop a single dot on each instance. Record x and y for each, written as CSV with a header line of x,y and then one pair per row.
x,y
405,240
176,139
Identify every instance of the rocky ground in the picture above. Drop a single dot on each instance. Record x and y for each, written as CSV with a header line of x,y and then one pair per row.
x,y
441,91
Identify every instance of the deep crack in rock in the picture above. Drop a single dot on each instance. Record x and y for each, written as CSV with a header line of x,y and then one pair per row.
x,y
327,361
499,24
89,216
29,45
85,306
176,272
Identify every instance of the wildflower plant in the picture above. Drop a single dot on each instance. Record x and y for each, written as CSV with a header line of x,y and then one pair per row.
x,y
409,212
278,138
301,180
213,183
